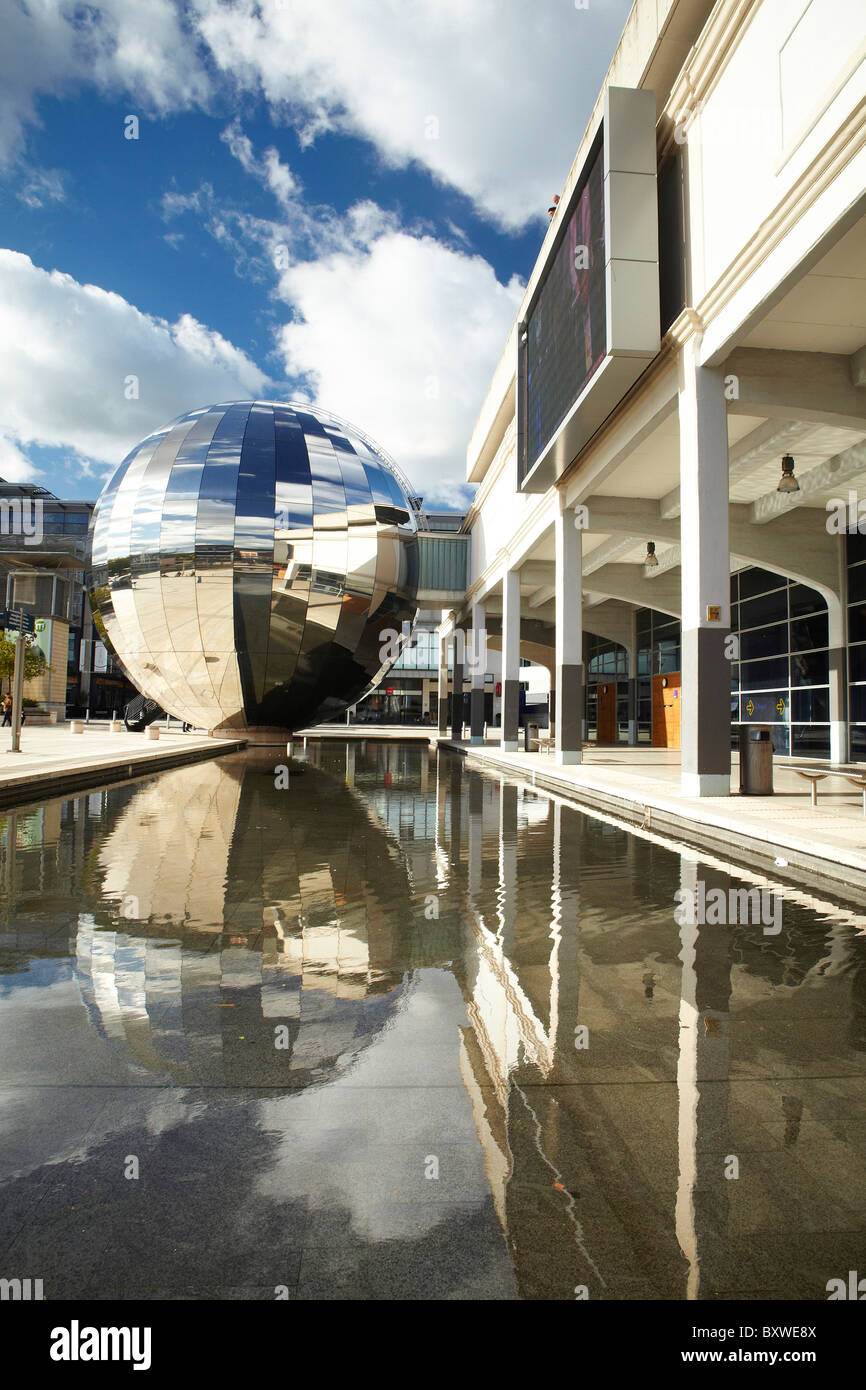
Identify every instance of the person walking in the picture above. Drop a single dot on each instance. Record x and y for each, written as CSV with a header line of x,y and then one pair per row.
x,y
7,712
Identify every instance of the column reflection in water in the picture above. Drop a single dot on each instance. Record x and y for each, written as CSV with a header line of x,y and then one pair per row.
x,y
612,1162
290,993
703,1075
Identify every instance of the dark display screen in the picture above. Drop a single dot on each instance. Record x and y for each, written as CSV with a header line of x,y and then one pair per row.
x,y
567,330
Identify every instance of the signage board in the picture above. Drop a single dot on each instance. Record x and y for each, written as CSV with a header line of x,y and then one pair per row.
x,y
12,619
592,324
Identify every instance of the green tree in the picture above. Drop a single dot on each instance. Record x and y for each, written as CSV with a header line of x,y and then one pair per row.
x,y
35,663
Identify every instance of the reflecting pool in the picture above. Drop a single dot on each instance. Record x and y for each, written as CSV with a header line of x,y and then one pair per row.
x,y
372,1024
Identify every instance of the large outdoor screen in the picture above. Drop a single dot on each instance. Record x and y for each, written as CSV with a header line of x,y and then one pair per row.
x,y
566,330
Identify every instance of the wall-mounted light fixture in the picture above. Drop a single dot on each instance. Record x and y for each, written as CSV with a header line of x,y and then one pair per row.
x,y
651,559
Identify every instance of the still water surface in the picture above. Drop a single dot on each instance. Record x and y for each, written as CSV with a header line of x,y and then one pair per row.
x,y
404,1030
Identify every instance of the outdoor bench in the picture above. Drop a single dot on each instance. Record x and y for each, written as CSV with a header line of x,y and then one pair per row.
x,y
855,773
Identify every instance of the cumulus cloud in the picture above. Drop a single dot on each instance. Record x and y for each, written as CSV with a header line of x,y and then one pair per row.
x,y
390,327
85,370
401,337
15,466
55,47
491,96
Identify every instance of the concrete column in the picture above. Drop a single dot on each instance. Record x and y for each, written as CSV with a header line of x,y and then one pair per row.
x,y
705,575
838,682
568,542
457,688
443,685
631,649
477,659
510,659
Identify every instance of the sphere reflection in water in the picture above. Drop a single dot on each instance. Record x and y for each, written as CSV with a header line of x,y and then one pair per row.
x,y
224,918
247,562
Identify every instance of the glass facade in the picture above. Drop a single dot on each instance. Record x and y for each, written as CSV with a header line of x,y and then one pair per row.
x,y
780,674
64,522
658,652
856,574
780,666
421,653
606,661
442,562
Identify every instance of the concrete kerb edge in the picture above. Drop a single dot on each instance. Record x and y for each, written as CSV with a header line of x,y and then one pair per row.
x,y
31,787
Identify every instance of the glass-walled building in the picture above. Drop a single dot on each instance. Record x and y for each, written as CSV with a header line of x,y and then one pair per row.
x,y
780,663
782,675
856,615
43,561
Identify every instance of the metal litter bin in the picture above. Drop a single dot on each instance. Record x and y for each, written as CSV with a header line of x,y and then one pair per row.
x,y
530,735
756,760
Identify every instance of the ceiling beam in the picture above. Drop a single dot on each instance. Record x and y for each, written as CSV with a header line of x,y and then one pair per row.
x,y
611,549
542,595
536,572
770,440
630,516
832,475
807,386
629,583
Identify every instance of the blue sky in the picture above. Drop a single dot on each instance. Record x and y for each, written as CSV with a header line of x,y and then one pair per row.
x,y
328,199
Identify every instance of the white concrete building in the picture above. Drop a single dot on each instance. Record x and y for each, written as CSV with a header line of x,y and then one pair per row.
x,y
696,314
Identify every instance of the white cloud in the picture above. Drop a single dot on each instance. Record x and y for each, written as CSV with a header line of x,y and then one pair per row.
x,y
15,467
400,337
67,352
41,186
56,47
269,170
391,328
489,95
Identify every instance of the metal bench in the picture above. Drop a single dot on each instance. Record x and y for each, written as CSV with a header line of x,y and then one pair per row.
x,y
855,773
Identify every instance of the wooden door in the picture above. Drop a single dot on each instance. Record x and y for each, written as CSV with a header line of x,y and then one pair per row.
x,y
667,710
606,712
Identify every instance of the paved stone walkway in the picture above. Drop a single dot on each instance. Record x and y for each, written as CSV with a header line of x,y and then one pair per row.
x,y
52,757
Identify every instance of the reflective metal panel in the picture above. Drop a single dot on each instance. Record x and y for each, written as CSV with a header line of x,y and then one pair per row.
x,y
247,561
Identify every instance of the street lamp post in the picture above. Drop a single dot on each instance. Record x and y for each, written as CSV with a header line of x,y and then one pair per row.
x,y
18,685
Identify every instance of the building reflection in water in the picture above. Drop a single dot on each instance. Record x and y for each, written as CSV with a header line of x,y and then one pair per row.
x,y
464,966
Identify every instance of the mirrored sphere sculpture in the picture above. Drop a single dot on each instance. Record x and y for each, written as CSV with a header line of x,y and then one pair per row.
x,y
250,562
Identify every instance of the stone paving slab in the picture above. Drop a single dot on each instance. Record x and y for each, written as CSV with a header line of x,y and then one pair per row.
x,y
53,759
400,733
